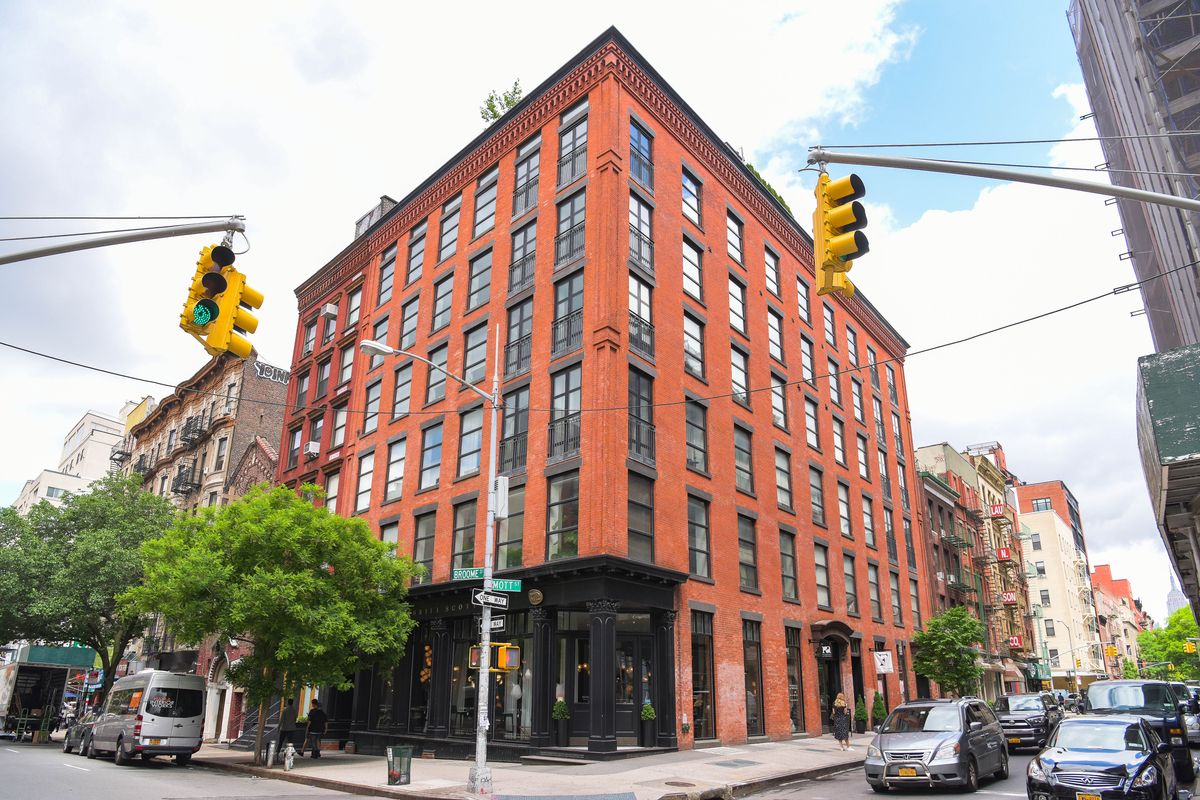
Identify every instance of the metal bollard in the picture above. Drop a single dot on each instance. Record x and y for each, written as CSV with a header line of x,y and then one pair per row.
x,y
289,758
271,755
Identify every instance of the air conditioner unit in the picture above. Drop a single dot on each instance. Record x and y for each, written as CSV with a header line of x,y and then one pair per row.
x,y
312,449
329,310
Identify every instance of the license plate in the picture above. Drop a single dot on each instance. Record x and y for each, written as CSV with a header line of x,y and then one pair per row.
x,y
159,741
1014,740
1086,796
911,772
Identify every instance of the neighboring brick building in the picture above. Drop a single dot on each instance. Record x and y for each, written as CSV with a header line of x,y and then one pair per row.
x,y
1120,614
690,493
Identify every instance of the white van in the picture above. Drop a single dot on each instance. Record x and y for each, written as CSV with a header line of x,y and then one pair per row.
x,y
152,713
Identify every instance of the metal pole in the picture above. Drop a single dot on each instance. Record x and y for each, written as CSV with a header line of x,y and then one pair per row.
x,y
818,155
231,224
481,773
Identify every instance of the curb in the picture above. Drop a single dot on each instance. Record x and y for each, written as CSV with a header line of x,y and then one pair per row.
x,y
744,788
313,780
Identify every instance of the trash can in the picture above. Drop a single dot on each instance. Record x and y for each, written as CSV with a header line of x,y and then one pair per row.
x,y
399,765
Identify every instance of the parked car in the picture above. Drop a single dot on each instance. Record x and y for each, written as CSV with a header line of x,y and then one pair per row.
x,y
1027,719
1103,756
1154,702
937,743
1072,702
79,731
151,713
1191,720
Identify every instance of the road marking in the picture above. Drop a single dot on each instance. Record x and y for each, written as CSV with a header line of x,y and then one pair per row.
x,y
72,766
9,749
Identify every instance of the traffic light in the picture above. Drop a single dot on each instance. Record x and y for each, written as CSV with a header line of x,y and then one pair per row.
x,y
1078,663
474,656
508,657
1170,667
200,309
1189,647
216,311
837,235
1110,651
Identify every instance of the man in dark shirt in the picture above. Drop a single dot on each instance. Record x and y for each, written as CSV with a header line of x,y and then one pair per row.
x,y
317,720
287,727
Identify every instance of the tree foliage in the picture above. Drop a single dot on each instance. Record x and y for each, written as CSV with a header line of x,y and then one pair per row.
x,y
318,596
1128,668
945,651
498,103
1166,644
63,568
769,187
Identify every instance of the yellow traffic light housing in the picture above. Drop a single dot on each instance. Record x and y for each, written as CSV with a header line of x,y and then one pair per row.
x,y
1078,663
837,235
508,657
1189,647
200,309
217,309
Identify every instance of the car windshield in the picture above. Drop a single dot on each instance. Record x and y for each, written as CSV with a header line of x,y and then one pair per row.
x,y
1139,698
1019,703
1098,737
922,718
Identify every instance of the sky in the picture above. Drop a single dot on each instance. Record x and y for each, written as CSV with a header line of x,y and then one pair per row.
x,y
300,115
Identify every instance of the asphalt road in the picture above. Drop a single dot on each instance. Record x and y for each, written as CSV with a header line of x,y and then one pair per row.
x,y
45,772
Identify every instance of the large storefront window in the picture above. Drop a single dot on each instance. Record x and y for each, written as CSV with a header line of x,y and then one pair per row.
x,y
752,661
422,679
704,715
511,693
795,677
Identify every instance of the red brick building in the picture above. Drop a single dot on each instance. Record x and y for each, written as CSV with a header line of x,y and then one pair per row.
x,y
700,514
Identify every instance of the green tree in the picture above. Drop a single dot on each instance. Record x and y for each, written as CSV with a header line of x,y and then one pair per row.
x,y
1128,668
317,595
62,569
945,651
1166,644
768,187
498,103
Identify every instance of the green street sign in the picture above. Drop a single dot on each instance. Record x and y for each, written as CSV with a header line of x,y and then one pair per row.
x,y
505,585
468,574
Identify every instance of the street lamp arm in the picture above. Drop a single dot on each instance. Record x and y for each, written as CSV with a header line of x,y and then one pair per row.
x,y
371,346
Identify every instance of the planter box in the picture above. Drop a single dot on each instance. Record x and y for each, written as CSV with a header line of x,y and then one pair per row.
x,y
330,744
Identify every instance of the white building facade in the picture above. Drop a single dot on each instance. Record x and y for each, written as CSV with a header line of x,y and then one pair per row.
x,y
84,458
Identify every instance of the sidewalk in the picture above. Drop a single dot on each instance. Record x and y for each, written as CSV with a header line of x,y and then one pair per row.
x,y
705,773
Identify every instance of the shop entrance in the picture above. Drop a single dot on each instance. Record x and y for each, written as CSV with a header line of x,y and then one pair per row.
x,y
633,682
829,677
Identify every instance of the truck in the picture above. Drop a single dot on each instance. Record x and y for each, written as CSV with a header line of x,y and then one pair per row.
x,y
38,678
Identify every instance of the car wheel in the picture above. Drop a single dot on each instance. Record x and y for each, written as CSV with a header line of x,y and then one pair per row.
x,y
972,782
91,748
1002,773
181,759
1186,771
119,757
67,743
147,756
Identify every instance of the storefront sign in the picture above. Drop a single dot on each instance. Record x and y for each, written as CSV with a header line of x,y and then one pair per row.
x,y
1003,554
883,662
276,374
1016,642
825,650
996,509
1009,598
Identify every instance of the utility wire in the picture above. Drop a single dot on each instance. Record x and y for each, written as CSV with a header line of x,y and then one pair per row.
x,y
1166,134
325,407
84,233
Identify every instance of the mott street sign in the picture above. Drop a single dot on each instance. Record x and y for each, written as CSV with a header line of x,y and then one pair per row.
x,y
468,574
481,598
506,585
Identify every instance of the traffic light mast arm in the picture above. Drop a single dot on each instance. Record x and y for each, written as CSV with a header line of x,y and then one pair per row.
x,y
87,243
818,155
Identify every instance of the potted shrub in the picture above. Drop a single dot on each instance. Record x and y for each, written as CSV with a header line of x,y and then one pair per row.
x,y
648,717
878,709
561,714
860,716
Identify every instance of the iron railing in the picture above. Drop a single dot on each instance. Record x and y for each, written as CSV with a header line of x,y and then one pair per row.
x,y
641,440
572,165
567,334
121,451
641,335
564,434
525,196
641,249
512,452
641,168
142,463
185,480
516,356
520,273
568,245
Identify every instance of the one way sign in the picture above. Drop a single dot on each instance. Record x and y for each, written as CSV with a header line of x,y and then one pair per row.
x,y
481,598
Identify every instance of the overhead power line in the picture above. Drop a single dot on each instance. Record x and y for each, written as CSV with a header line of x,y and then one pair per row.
x,y
185,216
1167,134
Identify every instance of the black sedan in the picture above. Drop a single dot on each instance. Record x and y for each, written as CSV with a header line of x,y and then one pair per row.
x,y
1103,758
78,733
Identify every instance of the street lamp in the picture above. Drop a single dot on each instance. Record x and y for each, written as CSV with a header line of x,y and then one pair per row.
x,y
481,774
1073,674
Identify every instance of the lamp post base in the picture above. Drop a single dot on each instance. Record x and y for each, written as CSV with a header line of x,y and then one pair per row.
x,y
480,780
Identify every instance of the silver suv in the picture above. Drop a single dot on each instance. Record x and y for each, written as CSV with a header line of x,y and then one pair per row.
x,y
937,743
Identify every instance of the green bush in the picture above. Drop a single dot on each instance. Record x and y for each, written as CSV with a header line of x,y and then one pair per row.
x,y
560,710
647,712
860,710
879,709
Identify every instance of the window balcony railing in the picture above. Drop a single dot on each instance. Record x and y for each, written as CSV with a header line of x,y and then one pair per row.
x,y
520,273
564,435
572,165
525,196
899,442
880,433
641,440
641,250
567,334
641,336
893,555
143,464
568,245
185,481
641,168
886,484
121,451
516,356
892,394
512,452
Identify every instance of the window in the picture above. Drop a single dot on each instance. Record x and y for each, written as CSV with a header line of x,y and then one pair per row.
x,y
366,473
562,516
435,384
889,533
479,281
835,382
463,554
510,536
871,364
816,486
379,332
830,326
843,492
162,486
698,555
880,428
293,455
839,442
339,428
641,415
222,446
513,445
1050,627
733,236
738,377
641,518
423,534
802,305
704,693
301,391
416,252
641,331
752,667
387,275
783,479
333,482
852,345
891,383
910,552
526,176
470,441
394,489
914,599
807,365
567,331
775,335
331,323
692,273
850,580
696,434
390,534
443,299
569,241
737,304
448,236
747,553
485,201
310,338
431,456
475,354
821,574
565,393
1040,567
408,323
691,197
1045,597
170,440
572,145
884,480
1053,657
873,592
812,433
771,268
693,345
403,390
742,462
897,607
1041,504
371,418
787,564
641,167
346,365
857,395
779,401
1035,541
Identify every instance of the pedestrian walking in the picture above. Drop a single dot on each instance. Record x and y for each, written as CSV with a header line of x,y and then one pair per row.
x,y
317,720
287,727
840,717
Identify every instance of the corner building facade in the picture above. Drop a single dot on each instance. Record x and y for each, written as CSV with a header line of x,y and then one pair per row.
x,y
709,464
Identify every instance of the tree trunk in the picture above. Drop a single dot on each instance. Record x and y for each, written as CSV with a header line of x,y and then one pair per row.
x,y
262,724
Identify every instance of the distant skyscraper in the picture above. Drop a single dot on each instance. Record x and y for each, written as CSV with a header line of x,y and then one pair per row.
x,y
1175,598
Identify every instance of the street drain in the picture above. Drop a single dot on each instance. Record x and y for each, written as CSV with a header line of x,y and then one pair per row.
x,y
679,783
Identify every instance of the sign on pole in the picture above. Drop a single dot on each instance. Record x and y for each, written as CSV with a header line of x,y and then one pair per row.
x,y
506,585
497,622
883,662
467,574
481,598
